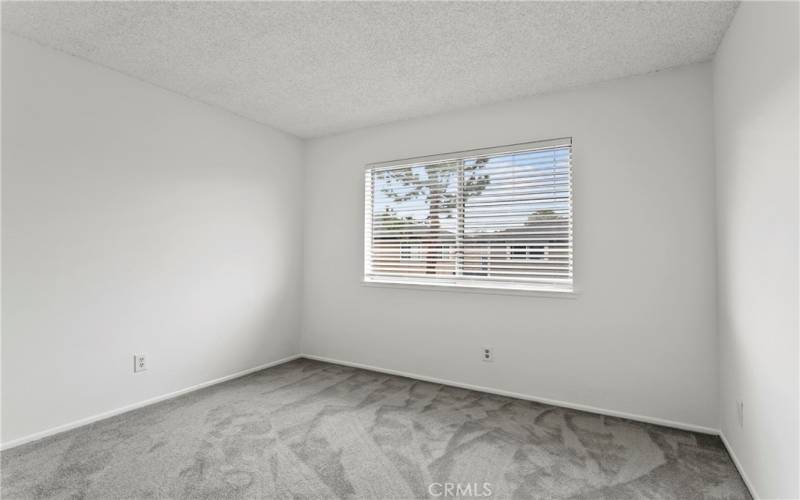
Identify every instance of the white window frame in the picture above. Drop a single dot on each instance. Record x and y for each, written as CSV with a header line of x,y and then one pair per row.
x,y
443,284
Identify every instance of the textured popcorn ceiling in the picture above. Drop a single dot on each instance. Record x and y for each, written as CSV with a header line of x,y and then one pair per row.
x,y
318,68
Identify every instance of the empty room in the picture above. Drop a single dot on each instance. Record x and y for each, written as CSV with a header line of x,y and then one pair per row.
x,y
400,250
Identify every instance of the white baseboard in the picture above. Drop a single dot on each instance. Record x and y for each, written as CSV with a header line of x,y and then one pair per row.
x,y
527,397
100,416
548,401
739,467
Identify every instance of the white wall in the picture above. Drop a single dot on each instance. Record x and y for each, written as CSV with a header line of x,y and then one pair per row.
x,y
135,220
756,127
640,338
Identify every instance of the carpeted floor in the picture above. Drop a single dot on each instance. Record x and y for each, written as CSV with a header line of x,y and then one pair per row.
x,y
307,429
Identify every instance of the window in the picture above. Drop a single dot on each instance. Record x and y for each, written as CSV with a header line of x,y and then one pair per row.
x,y
491,218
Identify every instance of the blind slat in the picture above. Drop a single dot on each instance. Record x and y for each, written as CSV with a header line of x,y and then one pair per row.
x,y
478,272
473,277
486,163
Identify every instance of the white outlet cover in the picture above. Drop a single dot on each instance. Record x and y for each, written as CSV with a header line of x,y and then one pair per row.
x,y
139,363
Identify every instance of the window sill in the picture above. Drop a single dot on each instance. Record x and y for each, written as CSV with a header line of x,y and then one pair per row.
x,y
484,289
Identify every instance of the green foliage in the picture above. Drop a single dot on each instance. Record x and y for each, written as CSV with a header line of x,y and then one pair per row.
x,y
543,214
404,185
394,222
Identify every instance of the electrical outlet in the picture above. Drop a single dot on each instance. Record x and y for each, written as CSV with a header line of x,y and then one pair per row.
x,y
740,412
487,355
139,363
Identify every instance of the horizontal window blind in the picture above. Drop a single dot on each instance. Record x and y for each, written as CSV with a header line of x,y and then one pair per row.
x,y
497,218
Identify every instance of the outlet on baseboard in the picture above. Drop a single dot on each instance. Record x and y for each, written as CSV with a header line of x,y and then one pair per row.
x,y
740,412
488,354
139,363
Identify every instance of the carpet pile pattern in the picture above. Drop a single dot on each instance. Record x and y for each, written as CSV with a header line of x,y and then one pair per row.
x,y
307,429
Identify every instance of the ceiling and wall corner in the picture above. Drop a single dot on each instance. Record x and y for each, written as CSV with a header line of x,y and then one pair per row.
x,y
317,68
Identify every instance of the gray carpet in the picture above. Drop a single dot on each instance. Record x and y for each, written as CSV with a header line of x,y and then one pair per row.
x,y
307,429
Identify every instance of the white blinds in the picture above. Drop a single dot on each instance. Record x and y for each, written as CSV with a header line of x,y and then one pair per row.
x,y
499,217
